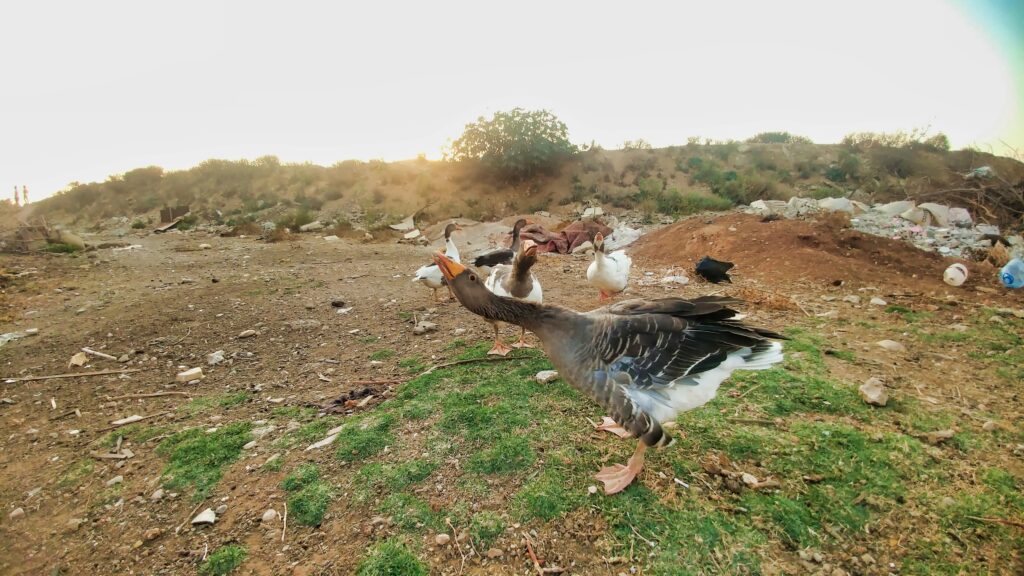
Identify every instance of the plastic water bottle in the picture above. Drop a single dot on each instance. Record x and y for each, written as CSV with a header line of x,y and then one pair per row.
x,y
1012,274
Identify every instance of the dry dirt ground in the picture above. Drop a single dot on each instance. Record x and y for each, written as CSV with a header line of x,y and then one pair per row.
x,y
169,304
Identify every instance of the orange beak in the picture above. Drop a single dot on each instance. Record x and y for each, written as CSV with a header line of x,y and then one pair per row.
x,y
598,238
449,268
530,248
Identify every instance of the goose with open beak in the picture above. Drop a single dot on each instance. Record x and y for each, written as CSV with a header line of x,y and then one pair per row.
x,y
644,361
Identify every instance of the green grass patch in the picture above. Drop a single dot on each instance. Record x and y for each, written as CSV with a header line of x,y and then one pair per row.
x,y
360,440
908,314
382,354
505,456
59,248
208,403
137,433
391,558
485,527
197,458
76,473
412,365
393,477
223,561
308,495
409,512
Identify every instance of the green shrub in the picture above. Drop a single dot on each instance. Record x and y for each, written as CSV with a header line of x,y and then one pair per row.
x,y
778,138
390,558
59,248
223,561
138,225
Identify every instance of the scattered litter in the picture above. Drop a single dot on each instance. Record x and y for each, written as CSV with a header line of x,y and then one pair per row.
x,y
676,279
215,358
714,271
207,516
247,334
955,275
424,327
1012,274
98,354
190,375
79,359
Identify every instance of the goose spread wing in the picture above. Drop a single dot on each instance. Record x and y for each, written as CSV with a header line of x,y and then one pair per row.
x,y
654,343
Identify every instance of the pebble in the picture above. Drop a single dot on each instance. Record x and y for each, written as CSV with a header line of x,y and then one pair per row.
x,y
990,426
424,327
338,302
892,345
830,314
495,553
207,516
152,534
269,516
878,301
852,299
459,331
16,513
249,445
546,376
873,392
115,480
158,495
190,375
75,523
591,489
247,334
221,509
442,539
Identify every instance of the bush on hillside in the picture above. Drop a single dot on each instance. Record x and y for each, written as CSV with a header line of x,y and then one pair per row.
x,y
515,145
916,139
778,138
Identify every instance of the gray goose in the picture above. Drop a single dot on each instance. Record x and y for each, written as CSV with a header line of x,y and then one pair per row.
x,y
644,361
502,255
515,281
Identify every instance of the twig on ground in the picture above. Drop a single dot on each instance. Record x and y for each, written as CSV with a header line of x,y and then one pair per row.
x,y
752,421
455,538
284,522
1003,521
370,382
533,556
98,354
187,518
76,412
476,360
72,375
152,395
134,421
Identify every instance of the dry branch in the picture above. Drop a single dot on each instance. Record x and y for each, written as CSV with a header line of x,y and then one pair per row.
x,y
73,375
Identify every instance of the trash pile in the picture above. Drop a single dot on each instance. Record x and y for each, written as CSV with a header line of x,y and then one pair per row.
x,y
932,227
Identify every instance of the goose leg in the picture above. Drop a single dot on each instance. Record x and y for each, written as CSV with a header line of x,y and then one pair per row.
x,y
435,295
603,296
522,340
609,425
617,477
499,349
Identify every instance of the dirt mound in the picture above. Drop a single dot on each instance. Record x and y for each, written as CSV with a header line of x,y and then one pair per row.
x,y
787,251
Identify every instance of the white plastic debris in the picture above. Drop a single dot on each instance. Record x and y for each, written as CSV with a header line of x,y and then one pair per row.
x,y
207,516
955,275
190,375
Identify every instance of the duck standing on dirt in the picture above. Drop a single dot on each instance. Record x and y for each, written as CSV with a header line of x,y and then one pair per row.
x,y
493,258
609,273
430,275
644,361
515,281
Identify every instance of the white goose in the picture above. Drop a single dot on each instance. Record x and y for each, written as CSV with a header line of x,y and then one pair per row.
x,y
609,273
430,275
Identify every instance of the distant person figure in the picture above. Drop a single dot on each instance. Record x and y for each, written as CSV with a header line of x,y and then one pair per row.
x,y
24,195
16,196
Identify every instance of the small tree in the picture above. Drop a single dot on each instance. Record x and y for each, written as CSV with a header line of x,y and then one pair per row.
x,y
515,145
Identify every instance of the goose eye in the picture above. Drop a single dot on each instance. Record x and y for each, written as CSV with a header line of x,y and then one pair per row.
x,y
472,277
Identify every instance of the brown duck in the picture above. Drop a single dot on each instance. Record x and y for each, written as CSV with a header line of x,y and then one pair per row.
x,y
644,361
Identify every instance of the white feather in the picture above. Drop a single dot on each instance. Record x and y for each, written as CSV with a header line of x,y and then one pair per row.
x,y
501,274
690,392
609,273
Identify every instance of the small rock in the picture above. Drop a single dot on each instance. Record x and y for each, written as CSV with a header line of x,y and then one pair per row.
x,y
495,553
115,480
831,314
207,516
878,301
152,534
188,280
459,331
190,375
262,431
272,459
892,345
990,426
591,489
249,445
749,479
583,248
867,559
873,392
221,509
158,495
331,238
939,436
338,302
546,376
442,539
215,358
269,516
205,246
75,523
424,327
16,513
247,334
852,299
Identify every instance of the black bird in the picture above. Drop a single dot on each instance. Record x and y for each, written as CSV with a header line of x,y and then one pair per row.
x,y
501,255
713,270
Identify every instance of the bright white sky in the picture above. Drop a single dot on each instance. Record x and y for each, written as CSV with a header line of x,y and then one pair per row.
x,y
98,88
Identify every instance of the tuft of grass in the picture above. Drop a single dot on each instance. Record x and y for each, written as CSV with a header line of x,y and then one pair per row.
x,y
137,433
394,477
382,354
197,458
507,455
309,496
223,561
907,314
544,497
486,526
59,248
74,475
389,558
412,365
409,512
362,440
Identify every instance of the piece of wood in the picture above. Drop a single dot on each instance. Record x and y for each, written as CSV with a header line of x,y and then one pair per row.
x,y
477,360
187,518
76,412
533,556
998,521
140,419
152,395
284,522
97,354
72,375
126,420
